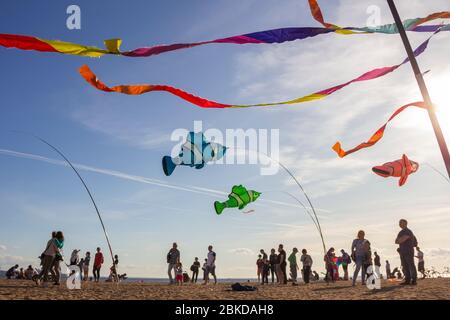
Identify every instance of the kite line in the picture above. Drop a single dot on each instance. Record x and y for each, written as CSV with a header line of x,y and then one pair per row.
x,y
85,186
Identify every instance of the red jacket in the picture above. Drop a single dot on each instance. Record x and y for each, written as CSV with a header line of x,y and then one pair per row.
x,y
98,259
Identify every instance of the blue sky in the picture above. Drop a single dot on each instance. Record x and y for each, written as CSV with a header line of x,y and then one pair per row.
x,y
44,94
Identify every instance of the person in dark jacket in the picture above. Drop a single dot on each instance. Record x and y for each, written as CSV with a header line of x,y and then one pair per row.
x,y
273,258
407,242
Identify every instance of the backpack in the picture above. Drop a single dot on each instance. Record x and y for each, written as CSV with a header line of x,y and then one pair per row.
x,y
238,287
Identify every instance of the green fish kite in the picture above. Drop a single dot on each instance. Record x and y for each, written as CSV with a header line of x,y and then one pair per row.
x,y
238,198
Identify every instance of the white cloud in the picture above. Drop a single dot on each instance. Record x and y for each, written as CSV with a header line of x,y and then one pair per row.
x,y
438,252
3,247
242,251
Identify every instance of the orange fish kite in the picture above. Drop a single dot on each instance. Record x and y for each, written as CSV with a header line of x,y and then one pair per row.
x,y
401,168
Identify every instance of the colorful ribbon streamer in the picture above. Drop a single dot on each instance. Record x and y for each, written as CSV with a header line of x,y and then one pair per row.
x,y
281,35
90,77
409,24
377,135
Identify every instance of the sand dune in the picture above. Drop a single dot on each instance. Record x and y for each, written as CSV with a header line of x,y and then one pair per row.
x,y
426,289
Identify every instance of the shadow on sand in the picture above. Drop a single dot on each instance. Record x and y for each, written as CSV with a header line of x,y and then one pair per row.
x,y
332,288
383,290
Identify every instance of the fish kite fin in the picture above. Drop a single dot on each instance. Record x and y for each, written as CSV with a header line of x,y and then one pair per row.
x,y
402,180
168,165
405,170
219,206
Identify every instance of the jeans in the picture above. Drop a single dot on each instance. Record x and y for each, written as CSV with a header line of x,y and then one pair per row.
x,y
86,272
194,275
56,268
345,268
293,268
306,273
273,271
330,273
96,272
265,274
283,271
169,271
409,268
359,266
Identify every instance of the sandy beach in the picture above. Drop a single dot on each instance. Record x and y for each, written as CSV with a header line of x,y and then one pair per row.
x,y
428,289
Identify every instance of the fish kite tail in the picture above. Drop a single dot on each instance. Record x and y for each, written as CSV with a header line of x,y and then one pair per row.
x,y
381,171
219,206
168,165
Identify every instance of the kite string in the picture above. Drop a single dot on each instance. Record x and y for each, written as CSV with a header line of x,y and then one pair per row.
x,y
437,171
85,186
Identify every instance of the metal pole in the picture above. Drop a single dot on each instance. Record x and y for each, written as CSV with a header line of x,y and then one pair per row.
x,y
423,88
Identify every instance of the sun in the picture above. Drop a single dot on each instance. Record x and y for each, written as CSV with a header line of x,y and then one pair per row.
x,y
439,90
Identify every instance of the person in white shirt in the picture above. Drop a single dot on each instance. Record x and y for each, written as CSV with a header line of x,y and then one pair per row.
x,y
211,265
421,264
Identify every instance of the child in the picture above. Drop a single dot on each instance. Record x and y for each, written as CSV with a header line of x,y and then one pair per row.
x,y
179,273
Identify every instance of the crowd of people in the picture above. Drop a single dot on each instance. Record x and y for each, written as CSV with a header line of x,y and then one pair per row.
x,y
360,254
52,259
270,266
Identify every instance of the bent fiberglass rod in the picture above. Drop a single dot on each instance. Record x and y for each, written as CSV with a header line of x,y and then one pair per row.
x,y
85,186
298,200
301,188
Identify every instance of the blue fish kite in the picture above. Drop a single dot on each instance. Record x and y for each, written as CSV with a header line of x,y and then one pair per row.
x,y
195,152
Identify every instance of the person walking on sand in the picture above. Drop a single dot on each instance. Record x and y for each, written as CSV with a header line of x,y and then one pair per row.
x,y
388,270
273,258
87,261
173,257
307,265
407,241
211,265
346,261
265,271
293,266
194,268
259,267
421,264
56,268
282,260
359,256
98,261
47,259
